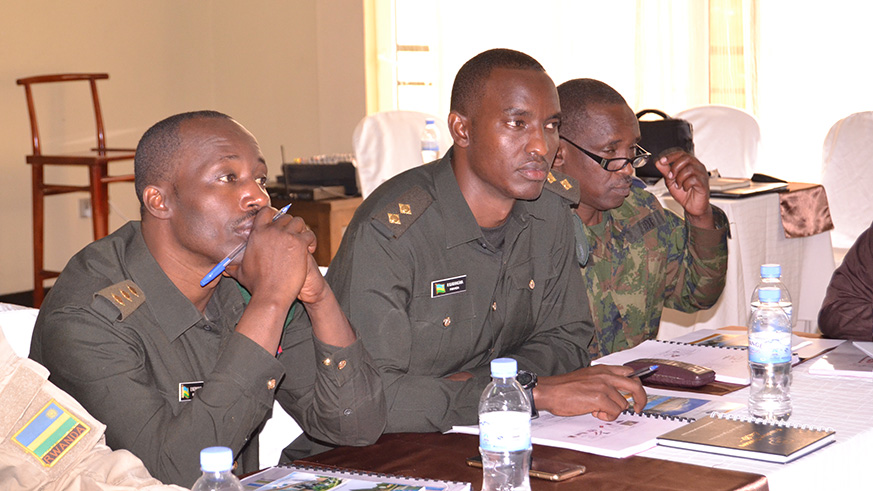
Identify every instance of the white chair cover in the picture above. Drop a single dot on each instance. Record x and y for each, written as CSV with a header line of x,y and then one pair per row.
x,y
725,138
847,175
388,143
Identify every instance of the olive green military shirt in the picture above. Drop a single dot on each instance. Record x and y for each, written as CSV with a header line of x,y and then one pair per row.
x,y
430,297
644,258
168,381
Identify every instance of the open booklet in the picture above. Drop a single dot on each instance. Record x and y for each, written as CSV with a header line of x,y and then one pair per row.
x,y
804,347
299,478
849,359
629,434
731,364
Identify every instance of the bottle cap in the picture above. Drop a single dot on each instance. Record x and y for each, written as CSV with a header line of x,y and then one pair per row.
x,y
769,295
504,367
771,271
216,459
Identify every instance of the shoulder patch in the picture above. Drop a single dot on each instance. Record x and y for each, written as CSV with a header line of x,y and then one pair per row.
x,y
398,216
50,433
119,300
563,185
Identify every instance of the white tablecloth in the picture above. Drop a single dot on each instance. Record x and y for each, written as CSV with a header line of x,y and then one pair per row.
x,y
757,238
840,403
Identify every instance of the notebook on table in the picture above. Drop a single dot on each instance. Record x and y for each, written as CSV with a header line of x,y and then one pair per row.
x,y
290,477
771,441
848,360
753,189
731,364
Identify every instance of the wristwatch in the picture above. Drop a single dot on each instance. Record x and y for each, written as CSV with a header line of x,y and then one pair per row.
x,y
528,380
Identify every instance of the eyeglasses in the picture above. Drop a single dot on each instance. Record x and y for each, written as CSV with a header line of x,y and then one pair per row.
x,y
616,164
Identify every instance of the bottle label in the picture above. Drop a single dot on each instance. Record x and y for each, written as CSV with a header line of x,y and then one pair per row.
x,y
770,347
504,431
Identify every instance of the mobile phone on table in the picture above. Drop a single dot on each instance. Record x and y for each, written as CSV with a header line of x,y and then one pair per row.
x,y
548,469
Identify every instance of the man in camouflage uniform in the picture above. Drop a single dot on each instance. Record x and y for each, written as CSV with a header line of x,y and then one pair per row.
x,y
636,257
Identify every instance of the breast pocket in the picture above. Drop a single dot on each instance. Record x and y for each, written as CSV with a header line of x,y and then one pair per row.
x,y
526,286
443,332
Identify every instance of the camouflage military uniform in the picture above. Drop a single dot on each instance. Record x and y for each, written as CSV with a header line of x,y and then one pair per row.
x,y
644,258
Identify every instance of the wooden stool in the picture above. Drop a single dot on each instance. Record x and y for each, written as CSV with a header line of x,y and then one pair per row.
x,y
96,159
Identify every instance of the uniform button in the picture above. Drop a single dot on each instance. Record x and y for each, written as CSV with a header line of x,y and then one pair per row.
x,y
494,306
207,327
531,284
341,364
347,412
271,384
326,362
447,322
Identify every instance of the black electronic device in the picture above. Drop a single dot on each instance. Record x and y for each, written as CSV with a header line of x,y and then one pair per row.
x,y
321,175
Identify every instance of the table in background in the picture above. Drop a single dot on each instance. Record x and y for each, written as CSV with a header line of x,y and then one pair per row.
x,y
437,456
758,237
328,218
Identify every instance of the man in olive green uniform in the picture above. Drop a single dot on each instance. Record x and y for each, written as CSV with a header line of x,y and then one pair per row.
x,y
51,443
637,258
171,366
453,264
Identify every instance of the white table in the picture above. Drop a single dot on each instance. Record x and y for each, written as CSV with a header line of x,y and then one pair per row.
x,y
757,238
837,402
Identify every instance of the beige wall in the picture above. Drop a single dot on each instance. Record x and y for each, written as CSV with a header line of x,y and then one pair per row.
x,y
291,71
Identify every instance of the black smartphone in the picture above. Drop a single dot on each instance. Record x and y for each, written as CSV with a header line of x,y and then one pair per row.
x,y
548,469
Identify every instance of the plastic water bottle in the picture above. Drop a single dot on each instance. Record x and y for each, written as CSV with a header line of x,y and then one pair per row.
x,y
216,464
430,142
770,358
771,276
504,430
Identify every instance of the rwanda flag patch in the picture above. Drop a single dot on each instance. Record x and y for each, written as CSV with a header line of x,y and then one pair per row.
x,y
51,433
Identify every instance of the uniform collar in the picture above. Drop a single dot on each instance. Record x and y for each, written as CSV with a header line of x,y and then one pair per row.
x,y
172,310
455,209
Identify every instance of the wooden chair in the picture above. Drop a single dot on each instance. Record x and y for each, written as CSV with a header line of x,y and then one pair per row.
x,y
95,159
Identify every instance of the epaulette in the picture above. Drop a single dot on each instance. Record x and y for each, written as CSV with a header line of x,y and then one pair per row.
x,y
564,186
119,300
399,215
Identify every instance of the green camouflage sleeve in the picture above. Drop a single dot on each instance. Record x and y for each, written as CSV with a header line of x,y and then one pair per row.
x,y
697,263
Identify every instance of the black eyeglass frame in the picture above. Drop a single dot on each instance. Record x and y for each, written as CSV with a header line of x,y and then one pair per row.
x,y
638,161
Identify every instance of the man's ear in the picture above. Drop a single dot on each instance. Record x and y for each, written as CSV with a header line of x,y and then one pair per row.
x,y
154,199
459,127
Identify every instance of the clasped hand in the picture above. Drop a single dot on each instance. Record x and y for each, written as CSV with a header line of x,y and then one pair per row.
x,y
278,261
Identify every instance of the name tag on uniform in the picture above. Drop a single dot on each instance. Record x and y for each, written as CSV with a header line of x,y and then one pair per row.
x,y
448,286
187,390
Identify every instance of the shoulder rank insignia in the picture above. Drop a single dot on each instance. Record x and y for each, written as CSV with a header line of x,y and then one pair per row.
x,y
563,185
119,300
396,217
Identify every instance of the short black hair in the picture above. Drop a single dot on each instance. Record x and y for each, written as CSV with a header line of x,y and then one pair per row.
x,y
577,94
470,80
155,154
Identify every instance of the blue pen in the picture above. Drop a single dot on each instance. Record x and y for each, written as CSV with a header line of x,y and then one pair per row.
x,y
642,372
219,268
